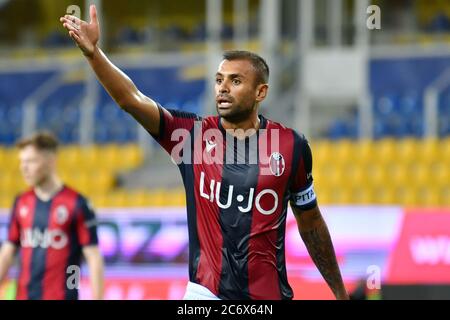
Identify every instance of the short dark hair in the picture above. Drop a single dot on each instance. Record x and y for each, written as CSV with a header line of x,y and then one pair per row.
x,y
44,141
260,65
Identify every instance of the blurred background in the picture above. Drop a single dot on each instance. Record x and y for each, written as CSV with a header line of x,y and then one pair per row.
x,y
374,103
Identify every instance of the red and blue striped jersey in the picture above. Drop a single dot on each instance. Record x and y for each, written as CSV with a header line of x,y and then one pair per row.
x,y
50,235
237,193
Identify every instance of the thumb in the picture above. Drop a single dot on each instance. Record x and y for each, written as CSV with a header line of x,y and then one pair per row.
x,y
93,14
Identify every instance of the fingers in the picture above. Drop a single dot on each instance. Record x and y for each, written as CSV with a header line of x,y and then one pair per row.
x,y
67,22
69,25
93,14
72,19
74,36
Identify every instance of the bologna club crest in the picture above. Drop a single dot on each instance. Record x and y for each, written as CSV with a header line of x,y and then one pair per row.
x,y
276,164
62,214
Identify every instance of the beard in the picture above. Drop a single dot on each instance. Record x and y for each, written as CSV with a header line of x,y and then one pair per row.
x,y
236,114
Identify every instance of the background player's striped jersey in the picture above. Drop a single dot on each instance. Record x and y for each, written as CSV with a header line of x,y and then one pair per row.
x,y
237,195
50,235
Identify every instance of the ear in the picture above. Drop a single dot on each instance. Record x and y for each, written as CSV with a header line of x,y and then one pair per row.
x,y
261,92
51,159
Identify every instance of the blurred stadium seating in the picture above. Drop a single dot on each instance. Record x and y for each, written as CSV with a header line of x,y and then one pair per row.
x,y
376,191
60,110
400,166
407,172
397,89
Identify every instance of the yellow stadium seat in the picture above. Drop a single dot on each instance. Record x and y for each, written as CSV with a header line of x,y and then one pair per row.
x,y
162,198
386,195
91,157
99,200
80,181
117,199
335,178
343,151
362,194
3,159
420,192
445,196
430,197
323,196
386,151
179,199
440,174
102,181
11,160
111,157
7,181
11,184
19,185
322,153
405,172
377,176
364,152
399,174
429,151
318,177
420,175
132,156
407,150
69,158
354,175
64,175
406,196
345,196
333,196
6,201
445,150
135,198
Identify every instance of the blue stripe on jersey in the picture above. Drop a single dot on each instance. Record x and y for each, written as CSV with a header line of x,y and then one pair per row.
x,y
236,225
187,173
74,254
39,254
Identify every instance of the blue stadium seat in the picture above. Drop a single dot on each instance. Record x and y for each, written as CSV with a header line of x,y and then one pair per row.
x,y
440,23
385,104
444,113
199,32
129,35
410,103
60,112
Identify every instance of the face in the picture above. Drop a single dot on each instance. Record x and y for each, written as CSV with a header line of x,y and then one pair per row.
x,y
237,93
36,165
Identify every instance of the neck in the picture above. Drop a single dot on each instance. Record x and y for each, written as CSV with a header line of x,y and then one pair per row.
x,y
48,188
252,122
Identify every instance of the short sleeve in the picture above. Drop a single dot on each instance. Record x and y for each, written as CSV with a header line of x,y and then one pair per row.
x,y
175,127
86,223
302,188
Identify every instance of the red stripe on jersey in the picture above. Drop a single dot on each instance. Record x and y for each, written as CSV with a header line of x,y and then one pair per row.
x,y
208,226
54,281
14,227
263,266
25,214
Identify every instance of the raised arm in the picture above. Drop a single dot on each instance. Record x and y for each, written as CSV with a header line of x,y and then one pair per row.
x,y
316,237
119,86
